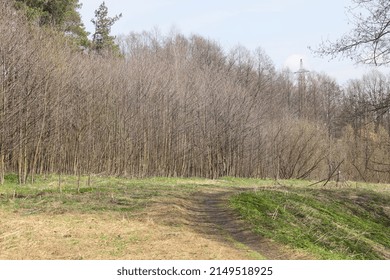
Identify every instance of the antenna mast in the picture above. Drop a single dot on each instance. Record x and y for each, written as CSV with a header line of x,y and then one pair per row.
x,y
301,88
301,69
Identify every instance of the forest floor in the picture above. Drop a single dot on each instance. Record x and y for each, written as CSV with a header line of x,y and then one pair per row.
x,y
157,218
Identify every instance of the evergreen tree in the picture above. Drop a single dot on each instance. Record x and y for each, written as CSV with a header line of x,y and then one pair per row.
x,y
102,40
60,14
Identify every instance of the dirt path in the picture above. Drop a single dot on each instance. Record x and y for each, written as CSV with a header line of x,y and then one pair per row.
x,y
176,225
217,215
207,213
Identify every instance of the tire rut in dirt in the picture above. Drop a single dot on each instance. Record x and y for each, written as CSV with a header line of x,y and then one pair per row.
x,y
211,215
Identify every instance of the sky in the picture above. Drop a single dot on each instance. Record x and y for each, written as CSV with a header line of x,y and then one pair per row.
x,y
284,29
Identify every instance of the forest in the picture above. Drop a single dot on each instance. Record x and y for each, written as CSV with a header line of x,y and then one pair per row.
x,y
154,105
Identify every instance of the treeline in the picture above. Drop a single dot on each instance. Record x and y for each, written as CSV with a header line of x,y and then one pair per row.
x,y
179,106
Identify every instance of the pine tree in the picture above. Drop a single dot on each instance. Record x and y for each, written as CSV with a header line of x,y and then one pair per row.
x,y
102,41
62,15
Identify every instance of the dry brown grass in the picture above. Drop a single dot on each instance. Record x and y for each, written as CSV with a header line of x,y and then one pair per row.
x,y
158,218
104,236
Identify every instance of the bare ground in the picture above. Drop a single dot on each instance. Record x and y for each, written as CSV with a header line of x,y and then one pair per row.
x,y
173,227
207,213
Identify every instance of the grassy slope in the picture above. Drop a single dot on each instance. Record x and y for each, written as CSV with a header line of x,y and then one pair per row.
x,y
342,223
346,223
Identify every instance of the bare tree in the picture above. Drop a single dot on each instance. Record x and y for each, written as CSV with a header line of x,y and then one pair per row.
x,y
369,40
178,106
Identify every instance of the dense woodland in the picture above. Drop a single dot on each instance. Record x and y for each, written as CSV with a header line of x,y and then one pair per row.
x,y
172,105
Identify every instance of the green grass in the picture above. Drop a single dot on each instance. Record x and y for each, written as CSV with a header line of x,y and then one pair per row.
x,y
348,222
345,223
104,194
254,182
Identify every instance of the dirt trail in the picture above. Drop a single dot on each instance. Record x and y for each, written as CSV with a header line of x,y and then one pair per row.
x,y
207,213
175,225
217,215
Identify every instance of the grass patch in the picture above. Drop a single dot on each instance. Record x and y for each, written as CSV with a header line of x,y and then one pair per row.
x,y
349,222
46,195
346,223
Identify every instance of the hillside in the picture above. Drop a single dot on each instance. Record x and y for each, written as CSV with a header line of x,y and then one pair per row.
x,y
175,105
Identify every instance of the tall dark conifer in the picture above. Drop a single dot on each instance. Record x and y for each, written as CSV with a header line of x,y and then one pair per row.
x,y
102,41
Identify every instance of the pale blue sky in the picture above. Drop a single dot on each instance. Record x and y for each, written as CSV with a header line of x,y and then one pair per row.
x,y
282,28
